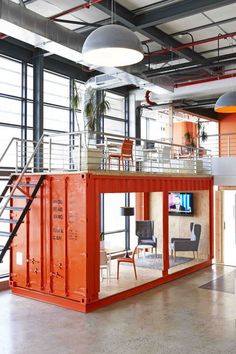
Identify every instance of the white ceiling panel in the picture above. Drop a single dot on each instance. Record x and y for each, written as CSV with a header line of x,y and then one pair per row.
x,y
90,15
65,4
44,8
222,13
184,23
222,52
229,27
200,35
209,46
153,46
136,4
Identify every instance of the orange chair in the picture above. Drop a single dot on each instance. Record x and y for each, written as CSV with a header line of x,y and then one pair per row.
x,y
127,260
126,153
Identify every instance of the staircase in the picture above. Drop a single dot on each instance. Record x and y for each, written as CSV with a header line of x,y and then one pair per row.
x,y
28,192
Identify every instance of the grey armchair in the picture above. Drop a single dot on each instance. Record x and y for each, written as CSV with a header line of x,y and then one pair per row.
x,y
145,233
187,244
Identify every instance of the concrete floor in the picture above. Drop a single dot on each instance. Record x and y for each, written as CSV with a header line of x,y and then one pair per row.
x,y
174,318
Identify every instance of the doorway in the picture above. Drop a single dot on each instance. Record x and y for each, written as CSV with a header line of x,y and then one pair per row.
x,y
229,227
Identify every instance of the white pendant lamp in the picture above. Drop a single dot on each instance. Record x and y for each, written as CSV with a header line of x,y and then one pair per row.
x,y
112,45
226,103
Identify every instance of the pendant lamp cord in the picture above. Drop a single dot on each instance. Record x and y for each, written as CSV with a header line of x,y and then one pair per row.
x,y
218,51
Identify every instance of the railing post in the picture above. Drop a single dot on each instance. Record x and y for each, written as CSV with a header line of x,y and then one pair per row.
x,y
228,145
195,160
17,155
50,155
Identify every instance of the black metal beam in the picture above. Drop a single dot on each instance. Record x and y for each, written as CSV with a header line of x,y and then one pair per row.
x,y
194,66
207,113
176,11
167,41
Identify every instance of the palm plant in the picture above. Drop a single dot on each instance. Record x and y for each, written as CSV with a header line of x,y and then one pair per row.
x,y
76,102
94,109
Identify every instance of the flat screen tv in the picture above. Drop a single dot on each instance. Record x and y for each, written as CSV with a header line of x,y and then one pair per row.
x,y
181,204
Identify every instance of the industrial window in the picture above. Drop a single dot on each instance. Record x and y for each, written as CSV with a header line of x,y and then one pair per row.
x,y
114,120
10,77
56,102
153,125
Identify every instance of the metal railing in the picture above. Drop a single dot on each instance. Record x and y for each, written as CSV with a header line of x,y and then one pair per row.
x,y
84,151
223,145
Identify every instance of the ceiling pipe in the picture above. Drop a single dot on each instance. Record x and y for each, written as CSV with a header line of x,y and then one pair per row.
x,y
147,99
74,9
193,66
193,44
218,72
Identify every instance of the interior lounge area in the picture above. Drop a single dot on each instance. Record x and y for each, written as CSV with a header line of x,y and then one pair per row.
x,y
117,176
188,241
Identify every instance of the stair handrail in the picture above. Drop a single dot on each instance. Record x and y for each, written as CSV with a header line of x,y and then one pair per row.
x,y
8,147
22,173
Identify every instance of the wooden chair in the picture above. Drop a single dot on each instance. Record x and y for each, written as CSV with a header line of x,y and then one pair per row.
x,y
127,260
126,153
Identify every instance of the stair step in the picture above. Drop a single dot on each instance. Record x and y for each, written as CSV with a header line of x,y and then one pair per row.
x,y
9,221
4,234
18,197
14,208
22,185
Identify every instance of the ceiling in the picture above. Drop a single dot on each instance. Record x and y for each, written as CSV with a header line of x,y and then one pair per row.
x,y
185,41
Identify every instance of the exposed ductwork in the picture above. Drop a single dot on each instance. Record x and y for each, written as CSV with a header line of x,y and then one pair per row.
x,y
25,25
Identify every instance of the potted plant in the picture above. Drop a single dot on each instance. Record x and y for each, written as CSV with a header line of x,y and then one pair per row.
x,y
94,108
189,139
202,134
202,137
76,102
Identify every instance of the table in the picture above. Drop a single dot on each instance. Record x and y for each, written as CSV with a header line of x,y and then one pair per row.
x,y
144,248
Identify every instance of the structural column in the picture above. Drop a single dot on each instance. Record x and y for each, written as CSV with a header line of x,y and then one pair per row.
x,y
170,124
38,63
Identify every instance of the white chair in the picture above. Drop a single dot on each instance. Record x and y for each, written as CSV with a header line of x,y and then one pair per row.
x,y
105,263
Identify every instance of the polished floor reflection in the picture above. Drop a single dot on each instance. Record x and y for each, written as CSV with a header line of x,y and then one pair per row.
x,y
175,318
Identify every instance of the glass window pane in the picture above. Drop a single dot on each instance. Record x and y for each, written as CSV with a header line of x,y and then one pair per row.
x,y
114,127
30,114
29,82
10,77
56,89
117,105
56,119
10,111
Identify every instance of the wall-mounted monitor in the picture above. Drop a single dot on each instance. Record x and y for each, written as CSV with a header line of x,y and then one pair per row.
x,y
181,204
